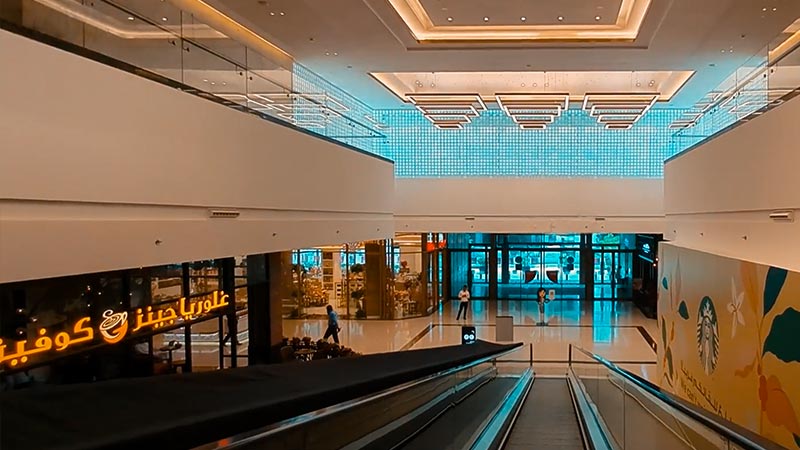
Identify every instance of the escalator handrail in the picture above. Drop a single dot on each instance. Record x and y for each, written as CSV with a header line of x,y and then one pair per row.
x,y
731,431
340,407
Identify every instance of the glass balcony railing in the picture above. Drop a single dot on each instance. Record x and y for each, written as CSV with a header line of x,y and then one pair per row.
x,y
190,51
629,412
158,40
765,81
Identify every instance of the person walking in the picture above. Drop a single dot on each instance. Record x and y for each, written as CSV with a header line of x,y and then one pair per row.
x,y
333,325
463,298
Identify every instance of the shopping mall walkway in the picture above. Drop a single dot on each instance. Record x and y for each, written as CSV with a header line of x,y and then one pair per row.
x,y
619,333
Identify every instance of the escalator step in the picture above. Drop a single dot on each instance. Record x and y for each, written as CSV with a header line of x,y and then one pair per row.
x,y
547,420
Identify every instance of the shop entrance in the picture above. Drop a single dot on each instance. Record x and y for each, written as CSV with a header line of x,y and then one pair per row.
x,y
612,274
522,271
478,275
569,267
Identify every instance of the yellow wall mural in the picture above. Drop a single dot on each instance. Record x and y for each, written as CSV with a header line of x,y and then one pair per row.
x,y
730,339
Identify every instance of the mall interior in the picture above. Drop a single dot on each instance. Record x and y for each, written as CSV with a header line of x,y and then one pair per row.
x,y
385,224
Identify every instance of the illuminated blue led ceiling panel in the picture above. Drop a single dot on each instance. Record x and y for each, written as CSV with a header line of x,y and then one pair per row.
x,y
493,146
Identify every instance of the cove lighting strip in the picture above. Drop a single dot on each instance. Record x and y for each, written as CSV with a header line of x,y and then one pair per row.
x,y
448,111
533,111
619,111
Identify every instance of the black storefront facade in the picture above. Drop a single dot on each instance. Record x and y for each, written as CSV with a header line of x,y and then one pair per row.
x,y
184,317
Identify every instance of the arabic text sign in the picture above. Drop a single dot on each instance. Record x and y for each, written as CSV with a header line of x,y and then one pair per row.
x,y
112,329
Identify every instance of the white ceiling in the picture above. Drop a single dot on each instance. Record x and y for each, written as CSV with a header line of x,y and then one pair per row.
x,y
345,40
535,12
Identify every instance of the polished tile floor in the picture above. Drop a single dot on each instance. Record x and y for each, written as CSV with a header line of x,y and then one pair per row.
x,y
619,333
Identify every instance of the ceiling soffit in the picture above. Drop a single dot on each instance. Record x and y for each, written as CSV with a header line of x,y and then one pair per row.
x,y
417,20
575,84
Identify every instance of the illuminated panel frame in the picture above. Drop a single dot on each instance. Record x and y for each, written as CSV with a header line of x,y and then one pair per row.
x,y
448,111
533,111
626,28
619,111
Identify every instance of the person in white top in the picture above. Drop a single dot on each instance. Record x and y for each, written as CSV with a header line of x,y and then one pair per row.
x,y
463,297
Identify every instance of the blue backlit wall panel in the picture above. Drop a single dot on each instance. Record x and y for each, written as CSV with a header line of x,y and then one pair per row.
x,y
493,146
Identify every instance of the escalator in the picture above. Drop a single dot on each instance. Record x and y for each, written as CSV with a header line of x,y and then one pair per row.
x,y
547,418
459,426
594,405
458,397
544,420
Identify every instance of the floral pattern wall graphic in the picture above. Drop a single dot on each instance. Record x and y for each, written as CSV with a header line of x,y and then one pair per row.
x,y
741,361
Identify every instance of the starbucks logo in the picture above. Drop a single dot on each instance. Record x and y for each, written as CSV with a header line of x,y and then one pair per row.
x,y
708,335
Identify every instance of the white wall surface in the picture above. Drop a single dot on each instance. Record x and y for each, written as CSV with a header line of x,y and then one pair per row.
x,y
96,165
718,196
529,205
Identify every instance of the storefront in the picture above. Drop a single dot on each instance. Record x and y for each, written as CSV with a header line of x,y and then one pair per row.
x,y
192,316
515,266
387,279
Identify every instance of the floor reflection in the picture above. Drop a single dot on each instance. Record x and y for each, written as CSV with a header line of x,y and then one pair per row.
x,y
616,331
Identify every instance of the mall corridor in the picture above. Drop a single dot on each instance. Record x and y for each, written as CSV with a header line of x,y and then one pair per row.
x,y
257,224
618,332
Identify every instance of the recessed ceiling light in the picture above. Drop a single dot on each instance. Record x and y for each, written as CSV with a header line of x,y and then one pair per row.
x,y
638,84
764,9
560,18
774,9
272,13
130,17
433,84
283,13
449,19
329,53
335,54
164,19
485,19
597,18
205,81
522,85
523,18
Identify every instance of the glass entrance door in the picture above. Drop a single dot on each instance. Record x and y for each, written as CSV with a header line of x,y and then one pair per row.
x,y
524,271
478,271
612,274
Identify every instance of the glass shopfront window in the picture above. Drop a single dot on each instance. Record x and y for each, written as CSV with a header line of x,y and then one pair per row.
x,y
134,322
387,279
526,263
515,266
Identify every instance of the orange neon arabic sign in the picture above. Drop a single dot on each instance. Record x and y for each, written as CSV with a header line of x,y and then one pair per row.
x,y
113,328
